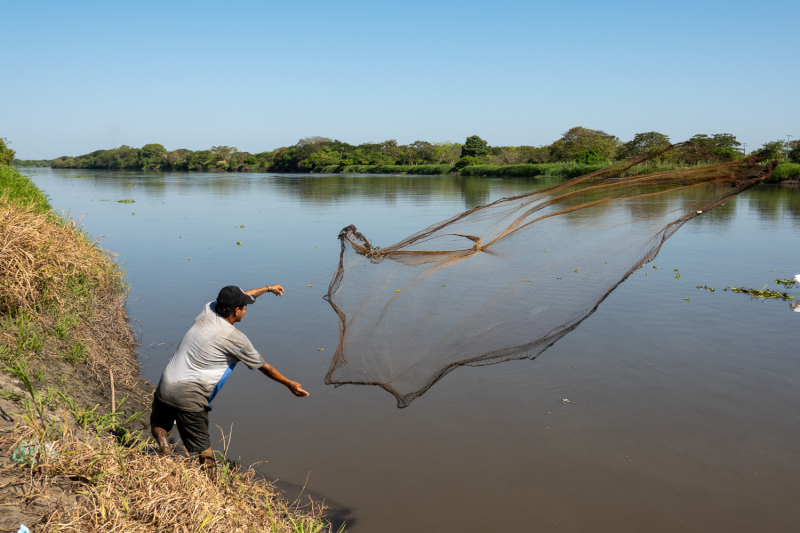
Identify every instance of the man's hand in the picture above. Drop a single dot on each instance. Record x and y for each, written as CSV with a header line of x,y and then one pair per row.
x,y
296,389
270,371
275,289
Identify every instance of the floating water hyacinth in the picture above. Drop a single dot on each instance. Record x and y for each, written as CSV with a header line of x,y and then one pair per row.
x,y
763,294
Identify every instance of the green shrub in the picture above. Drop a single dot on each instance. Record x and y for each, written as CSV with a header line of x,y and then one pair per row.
x,y
529,170
591,157
426,170
519,171
574,172
467,161
786,171
794,153
15,186
479,170
525,170
358,169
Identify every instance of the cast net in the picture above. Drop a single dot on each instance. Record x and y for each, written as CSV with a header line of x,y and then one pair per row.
x,y
506,280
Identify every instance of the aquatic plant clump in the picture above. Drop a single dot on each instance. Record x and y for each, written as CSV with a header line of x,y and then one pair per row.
x,y
507,280
763,294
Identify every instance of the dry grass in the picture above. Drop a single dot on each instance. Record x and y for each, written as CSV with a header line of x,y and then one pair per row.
x,y
61,294
126,489
41,255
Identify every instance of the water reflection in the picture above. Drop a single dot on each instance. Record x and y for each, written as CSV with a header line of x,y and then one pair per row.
x,y
325,189
768,203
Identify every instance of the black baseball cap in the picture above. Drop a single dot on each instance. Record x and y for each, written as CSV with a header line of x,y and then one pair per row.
x,y
233,296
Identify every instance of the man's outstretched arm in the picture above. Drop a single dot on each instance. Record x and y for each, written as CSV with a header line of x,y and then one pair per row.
x,y
269,371
275,289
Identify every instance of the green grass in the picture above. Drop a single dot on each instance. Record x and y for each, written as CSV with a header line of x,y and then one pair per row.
x,y
425,170
564,170
15,186
127,201
785,171
527,171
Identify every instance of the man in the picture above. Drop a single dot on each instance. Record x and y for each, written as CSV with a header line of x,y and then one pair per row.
x,y
203,361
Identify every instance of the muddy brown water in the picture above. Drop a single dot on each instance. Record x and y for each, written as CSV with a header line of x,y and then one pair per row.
x,y
682,415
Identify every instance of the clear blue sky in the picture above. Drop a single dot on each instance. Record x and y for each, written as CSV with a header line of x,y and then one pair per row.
x,y
81,76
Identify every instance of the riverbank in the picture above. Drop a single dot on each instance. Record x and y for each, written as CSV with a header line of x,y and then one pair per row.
x,y
785,172
71,381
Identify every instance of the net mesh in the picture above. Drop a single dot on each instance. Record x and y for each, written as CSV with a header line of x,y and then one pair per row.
x,y
507,280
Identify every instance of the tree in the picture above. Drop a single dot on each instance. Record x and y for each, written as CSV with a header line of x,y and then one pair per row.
x,y
447,152
199,160
315,141
177,159
323,158
643,143
508,155
224,152
474,147
6,153
772,150
578,140
391,148
794,153
591,157
723,145
421,152
534,154
152,151
151,156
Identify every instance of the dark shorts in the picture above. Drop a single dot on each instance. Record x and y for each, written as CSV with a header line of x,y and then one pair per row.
x,y
192,426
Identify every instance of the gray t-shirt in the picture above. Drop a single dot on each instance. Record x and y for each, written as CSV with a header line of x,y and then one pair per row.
x,y
203,361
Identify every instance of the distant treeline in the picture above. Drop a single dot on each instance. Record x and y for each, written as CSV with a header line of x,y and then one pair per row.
x,y
579,147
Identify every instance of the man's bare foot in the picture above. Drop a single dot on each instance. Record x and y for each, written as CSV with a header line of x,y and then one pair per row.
x,y
160,435
206,458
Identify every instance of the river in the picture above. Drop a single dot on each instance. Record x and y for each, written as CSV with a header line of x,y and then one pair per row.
x,y
682,415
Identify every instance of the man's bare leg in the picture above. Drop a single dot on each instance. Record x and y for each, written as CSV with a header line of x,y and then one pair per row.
x,y
160,435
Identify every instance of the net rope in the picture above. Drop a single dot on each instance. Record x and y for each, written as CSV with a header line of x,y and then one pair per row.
x,y
508,279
